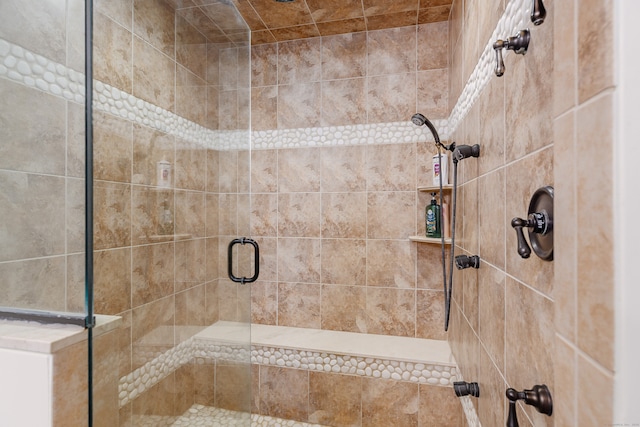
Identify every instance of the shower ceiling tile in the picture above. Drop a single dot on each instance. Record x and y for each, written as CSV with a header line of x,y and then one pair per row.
x,y
271,21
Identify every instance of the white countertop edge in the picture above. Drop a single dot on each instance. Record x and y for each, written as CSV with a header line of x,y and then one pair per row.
x,y
49,338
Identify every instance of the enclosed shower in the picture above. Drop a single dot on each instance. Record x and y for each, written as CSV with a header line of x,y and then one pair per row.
x,y
168,167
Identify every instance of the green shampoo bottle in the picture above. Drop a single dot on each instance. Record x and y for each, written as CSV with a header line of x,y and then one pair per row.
x,y
432,218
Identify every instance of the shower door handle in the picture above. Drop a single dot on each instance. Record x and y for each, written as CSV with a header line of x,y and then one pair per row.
x,y
256,261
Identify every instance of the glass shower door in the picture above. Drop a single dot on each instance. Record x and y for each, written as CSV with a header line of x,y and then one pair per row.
x,y
172,184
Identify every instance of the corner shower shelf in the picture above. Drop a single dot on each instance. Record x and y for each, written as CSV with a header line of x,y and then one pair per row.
x,y
422,239
432,188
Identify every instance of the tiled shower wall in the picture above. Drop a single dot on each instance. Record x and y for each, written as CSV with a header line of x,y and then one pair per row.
x,y
41,163
333,221
548,121
156,246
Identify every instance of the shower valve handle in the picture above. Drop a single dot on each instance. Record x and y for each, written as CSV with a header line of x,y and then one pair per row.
x,y
518,43
539,397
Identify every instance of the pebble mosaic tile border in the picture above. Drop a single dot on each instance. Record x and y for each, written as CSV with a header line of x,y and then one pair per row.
x,y
204,351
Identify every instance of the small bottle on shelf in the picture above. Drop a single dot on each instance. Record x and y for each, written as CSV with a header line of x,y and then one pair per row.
x,y
432,218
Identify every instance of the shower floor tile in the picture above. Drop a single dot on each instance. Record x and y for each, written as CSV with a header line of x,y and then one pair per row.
x,y
200,416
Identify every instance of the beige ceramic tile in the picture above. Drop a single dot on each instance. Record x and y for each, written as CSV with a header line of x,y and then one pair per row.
x,y
334,399
264,108
344,169
299,305
264,214
595,258
75,140
264,65
344,261
299,260
120,11
36,26
152,215
264,303
439,406
345,26
344,56
332,10
212,171
190,264
233,386
105,379
491,131
299,61
595,394
33,130
391,263
382,206
492,401
158,401
204,384
391,167
284,393
113,148
190,311
112,281
430,314
391,51
228,65
343,308
152,273
344,102
153,21
70,379
228,171
344,215
491,312
112,218
595,47
564,393
299,214
391,97
190,96
564,56
529,107
299,105
190,166
33,208
46,279
153,75
228,214
434,14
112,52
433,43
491,216
149,148
299,170
152,330
433,93
388,402
391,312
527,364
189,213
565,226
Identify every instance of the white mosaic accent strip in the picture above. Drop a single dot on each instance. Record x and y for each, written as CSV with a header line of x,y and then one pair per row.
x,y
36,71
514,19
378,133
470,412
205,351
442,375
199,415
152,372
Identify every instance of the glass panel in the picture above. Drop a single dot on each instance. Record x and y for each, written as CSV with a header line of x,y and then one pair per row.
x,y
42,164
171,169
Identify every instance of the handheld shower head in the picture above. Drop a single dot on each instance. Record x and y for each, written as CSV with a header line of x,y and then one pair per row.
x,y
418,119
